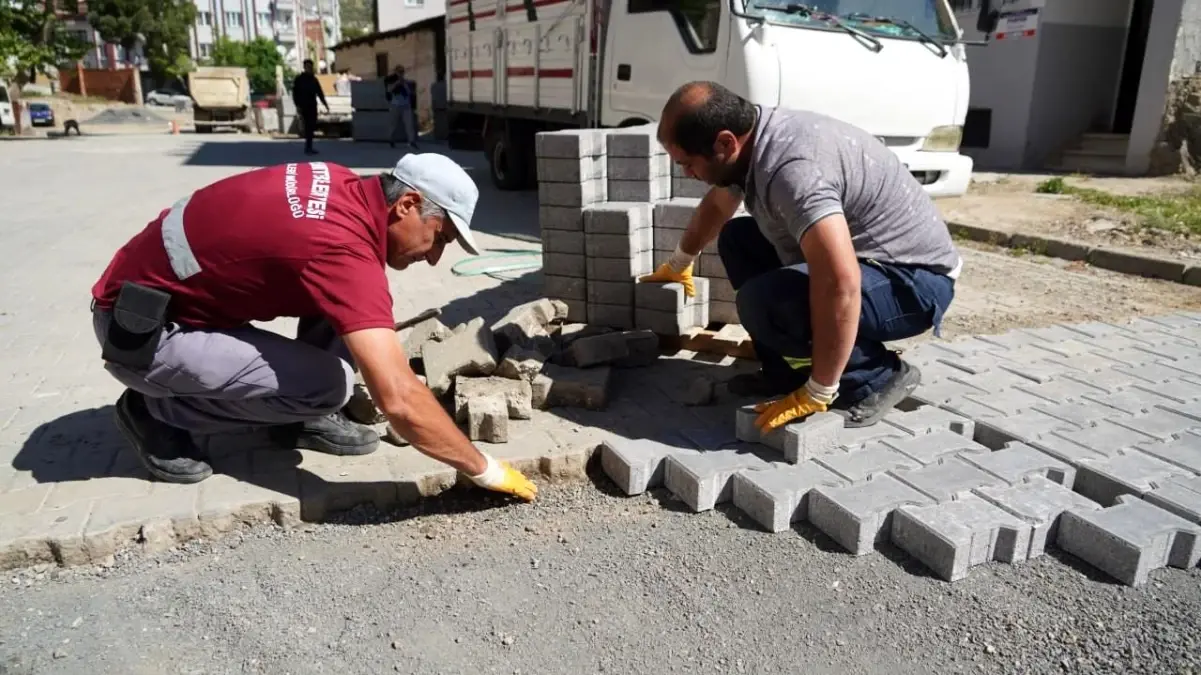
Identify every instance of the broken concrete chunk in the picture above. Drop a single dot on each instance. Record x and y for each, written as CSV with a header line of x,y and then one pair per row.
x,y
361,408
570,332
515,394
623,349
561,310
426,331
523,323
470,351
540,391
577,387
487,420
521,364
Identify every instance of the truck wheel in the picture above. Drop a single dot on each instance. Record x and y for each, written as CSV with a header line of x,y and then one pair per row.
x,y
506,163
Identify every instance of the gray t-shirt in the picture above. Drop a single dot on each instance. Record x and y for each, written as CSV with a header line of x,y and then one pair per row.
x,y
806,166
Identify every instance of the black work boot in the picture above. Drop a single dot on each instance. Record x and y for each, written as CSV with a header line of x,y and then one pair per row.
x,y
334,434
868,410
168,453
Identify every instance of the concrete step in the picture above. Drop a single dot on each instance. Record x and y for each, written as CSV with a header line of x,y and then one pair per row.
x,y
1084,161
1108,144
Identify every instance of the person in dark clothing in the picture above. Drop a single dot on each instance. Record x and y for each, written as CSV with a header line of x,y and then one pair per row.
x,y
305,92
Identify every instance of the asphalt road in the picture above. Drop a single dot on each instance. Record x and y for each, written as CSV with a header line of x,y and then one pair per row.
x,y
581,582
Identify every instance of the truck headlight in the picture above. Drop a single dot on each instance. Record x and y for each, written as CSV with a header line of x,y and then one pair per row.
x,y
943,139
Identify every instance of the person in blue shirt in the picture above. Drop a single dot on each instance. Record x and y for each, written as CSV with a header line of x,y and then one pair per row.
x,y
402,95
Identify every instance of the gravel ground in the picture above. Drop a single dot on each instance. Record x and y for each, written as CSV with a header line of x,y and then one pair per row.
x,y
581,582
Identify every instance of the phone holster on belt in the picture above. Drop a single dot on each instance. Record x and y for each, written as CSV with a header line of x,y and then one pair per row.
x,y
138,317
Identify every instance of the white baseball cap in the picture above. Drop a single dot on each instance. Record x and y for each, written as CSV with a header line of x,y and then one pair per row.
x,y
442,181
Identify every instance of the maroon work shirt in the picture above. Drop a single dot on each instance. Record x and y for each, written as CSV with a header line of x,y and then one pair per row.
x,y
297,240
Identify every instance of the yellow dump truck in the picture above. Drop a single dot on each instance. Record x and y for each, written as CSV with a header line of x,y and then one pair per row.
x,y
220,98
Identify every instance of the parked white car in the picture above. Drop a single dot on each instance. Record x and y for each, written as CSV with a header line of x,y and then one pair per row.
x,y
7,119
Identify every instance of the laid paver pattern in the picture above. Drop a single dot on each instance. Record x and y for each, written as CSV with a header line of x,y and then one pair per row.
x,y
72,492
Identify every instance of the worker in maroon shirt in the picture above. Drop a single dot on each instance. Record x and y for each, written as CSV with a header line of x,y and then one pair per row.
x,y
310,240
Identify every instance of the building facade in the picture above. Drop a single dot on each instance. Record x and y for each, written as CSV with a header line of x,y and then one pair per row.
x,y
397,14
300,28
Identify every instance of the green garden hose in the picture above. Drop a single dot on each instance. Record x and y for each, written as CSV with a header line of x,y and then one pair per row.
x,y
494,270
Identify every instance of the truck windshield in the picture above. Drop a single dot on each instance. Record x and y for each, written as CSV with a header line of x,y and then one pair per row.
x,y
885,18
3,94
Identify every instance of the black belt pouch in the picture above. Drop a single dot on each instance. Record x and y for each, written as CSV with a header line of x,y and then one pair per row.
x,y
136,328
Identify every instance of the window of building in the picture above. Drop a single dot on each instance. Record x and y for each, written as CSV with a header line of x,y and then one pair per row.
x,y
381,64
204,19
697,20
206,50
233,19
264,18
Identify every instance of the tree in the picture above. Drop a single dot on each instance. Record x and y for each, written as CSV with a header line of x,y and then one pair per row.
x,y
259,57
358,18
161,27
33,40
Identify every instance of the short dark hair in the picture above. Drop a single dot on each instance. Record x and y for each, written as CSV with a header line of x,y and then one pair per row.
x,y
697,123
307,62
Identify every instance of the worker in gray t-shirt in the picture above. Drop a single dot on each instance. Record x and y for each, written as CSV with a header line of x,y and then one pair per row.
x,y
843,250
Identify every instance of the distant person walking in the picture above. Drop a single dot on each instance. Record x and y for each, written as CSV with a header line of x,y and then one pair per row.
x,y
402,94
306,89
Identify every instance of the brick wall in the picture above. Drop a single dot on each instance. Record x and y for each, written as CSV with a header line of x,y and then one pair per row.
x,y
417,52
115,85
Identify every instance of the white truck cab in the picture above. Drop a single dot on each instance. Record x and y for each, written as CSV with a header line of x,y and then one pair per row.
x,y
896,68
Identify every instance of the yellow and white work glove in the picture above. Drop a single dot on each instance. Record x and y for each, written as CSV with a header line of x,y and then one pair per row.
x,y
501,477
803,402
678,268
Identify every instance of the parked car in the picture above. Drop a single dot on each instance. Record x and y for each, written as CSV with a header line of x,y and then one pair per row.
x,y
7,119
41,115
167,97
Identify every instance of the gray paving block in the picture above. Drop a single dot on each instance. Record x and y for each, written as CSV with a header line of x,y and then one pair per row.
x,y
723,312
1106,437
854,438
1153,373
1181,496
859,516
998,430
566,170
570,143
616,217
619,269
672,323
666,240
929,448
952,537
928,419
946,479
1040,502
640,141
1004,402
688,187
1180,390
1017,461
1085,363
1127,472
815,436
670,296
639,168
566,288
611,292
578,194
1131,400
778,496
1055,333
675,213
611,316
1171,351
652,190
563,241
1067,451
873,459
636,464
946,391
569,218
1183,451
994,381
619,245
1160,423
1129,539
1079,413
564,264
1060,390
703,480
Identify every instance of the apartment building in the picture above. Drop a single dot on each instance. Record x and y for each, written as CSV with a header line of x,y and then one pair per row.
x,y
300,28
396,14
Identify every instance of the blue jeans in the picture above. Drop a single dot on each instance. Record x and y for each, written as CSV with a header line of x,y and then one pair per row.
x,y
899,301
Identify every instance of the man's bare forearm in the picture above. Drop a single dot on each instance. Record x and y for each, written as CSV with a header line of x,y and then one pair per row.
x,y
717,206
834,316
422,421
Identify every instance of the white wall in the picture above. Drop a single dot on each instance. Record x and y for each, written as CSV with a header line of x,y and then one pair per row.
x,y
1173,52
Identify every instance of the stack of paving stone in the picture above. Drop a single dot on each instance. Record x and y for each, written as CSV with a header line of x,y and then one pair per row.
x,y
610,207
1083,437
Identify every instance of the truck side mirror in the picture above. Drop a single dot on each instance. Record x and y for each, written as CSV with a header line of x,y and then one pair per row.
x,y
986,21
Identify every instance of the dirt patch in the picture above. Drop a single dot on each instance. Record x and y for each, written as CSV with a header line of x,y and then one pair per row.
x,y
1010,203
